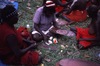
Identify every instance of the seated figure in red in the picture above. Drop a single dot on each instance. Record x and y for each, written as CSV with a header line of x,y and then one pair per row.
x,y
86,37
13,51
77,11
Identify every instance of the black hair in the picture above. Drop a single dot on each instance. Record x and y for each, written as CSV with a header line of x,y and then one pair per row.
x,y
92,11
7,11
49,9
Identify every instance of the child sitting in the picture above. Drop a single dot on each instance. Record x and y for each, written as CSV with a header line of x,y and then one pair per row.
x,y
27,37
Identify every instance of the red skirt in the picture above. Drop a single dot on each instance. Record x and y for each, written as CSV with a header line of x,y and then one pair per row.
x,y
30,58
77,15
83,33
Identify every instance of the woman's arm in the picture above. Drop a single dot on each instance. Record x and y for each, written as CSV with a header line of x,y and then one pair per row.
x,y
12,42
36,26
55,24
37,29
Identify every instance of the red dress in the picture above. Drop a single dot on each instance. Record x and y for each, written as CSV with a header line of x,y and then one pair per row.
x,y
6,53
83,33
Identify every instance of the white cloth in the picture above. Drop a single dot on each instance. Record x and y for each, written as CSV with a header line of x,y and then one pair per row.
x,y
45,32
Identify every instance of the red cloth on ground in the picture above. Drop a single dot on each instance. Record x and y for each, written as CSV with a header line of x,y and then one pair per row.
x,y
83,33
60,8
77,15
5,51
30,58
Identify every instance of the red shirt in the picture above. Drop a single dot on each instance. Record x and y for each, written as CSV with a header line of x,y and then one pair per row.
x,y
5,50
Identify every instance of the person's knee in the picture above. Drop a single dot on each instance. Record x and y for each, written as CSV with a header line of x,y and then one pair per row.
x,y
37,37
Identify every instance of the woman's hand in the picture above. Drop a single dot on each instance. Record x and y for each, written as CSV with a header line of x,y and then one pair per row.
x,y
32,46
45,38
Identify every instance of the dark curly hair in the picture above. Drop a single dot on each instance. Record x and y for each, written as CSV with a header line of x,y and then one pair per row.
x,y
9,10
49,9
92,11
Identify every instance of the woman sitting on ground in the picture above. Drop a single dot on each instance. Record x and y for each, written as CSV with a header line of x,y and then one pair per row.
x,y
86,37
13,51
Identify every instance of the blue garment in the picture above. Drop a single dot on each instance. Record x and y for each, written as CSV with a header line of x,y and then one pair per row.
x,y
15,3
2,64
3,3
